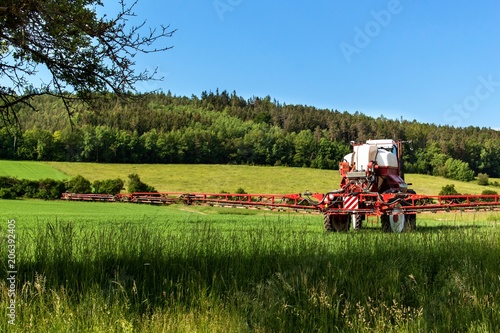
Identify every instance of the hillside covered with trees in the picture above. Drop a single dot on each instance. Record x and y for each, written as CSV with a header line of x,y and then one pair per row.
x,y
222,128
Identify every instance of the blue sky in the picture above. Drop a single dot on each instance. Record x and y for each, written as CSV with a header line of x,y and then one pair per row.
x,y
432,61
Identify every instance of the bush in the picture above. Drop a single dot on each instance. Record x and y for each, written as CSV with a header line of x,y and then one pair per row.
x,y
8,182
489,192
27,188
7,193
240,190
108,186
483,179
136,185
457,169
50,189
78,184
448,190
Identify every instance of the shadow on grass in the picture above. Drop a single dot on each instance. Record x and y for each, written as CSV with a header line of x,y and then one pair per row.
x,y
261,273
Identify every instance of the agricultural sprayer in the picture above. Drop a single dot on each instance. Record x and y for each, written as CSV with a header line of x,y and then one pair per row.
x,y
372,184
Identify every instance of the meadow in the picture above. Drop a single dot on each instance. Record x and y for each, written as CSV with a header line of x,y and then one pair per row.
x,y
253,179
218,178
101,267
30,170
118,267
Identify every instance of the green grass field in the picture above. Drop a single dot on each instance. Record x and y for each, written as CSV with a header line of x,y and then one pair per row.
x,y
253,179
30,170
118,267
123,267
216,178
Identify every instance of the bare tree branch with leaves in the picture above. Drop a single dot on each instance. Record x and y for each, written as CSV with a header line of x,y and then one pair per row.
x,y
84,54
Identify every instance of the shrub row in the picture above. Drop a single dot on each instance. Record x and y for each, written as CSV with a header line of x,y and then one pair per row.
x,y
50,189
11,188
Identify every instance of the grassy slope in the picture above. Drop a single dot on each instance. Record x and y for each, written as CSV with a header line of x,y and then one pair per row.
x,y
430,185
30,170
253,179
211,178
216,178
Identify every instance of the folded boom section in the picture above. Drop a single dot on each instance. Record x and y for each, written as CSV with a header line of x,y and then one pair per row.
x,y
367,203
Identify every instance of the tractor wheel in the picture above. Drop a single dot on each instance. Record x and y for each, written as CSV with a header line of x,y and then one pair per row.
x,y
393,223
327,221
341,223
386,226
397,220
336,223
409,220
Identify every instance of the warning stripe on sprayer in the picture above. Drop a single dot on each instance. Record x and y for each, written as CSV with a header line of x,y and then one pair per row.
x,y
351,202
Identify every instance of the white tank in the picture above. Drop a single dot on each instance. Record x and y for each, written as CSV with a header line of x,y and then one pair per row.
x,y
364,154
386,158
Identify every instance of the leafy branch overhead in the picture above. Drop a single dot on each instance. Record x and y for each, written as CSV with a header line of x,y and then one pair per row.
x,y
82,52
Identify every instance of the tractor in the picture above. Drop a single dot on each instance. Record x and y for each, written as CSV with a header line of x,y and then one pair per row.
x,y
372,184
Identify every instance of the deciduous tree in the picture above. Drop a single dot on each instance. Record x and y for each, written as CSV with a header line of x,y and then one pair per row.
x,y
84,53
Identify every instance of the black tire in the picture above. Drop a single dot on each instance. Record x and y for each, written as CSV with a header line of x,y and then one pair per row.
x,y
336,223
410,222
341,223
327,221
386,225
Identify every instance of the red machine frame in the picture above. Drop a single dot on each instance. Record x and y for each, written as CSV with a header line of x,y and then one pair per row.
x,y
372,203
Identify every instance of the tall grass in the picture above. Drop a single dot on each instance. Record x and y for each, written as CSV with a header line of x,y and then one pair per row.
x,y
268,278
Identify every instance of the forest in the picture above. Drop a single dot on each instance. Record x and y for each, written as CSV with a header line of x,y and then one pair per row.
x,y
224,128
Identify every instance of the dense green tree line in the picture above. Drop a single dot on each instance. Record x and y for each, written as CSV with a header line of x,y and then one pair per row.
x,y
225,128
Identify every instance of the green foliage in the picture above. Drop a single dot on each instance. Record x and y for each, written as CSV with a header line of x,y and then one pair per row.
x,y
37,144
7,193
50,189
240,190
448,190
263,117
47,189
136,185
80,49
78,184
222,128
489,192
27,188
8,182
458,170
109,186
483,179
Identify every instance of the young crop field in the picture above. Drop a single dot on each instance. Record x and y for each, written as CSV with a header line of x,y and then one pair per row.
x,y
123,267
253,179
118,267
30,170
